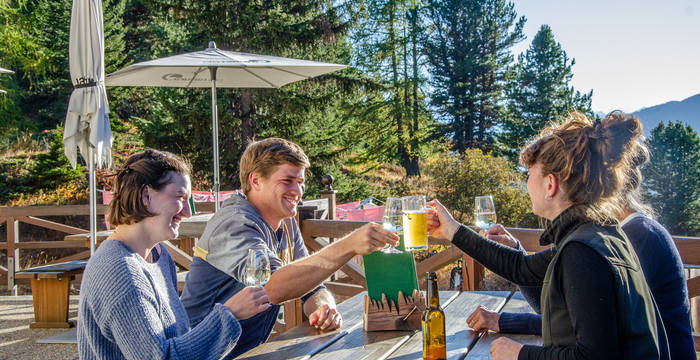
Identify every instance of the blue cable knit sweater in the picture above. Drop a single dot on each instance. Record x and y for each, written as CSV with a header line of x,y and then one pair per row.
x,y
130,309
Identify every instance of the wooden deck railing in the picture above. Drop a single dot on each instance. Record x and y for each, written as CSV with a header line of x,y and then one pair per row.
x,y
317,232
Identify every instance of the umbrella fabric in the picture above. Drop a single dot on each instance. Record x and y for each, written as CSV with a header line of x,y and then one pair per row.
x,y
87,121
234,70
5,71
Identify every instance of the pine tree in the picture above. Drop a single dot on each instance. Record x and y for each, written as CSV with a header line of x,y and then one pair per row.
x,y
672,177
306,112
540,92
391,121
38,34
469,53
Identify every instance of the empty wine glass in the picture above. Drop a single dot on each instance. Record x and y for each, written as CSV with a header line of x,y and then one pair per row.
x,y
257,267
392,221
484,212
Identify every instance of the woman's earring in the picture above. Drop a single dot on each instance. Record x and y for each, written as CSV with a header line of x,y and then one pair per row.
x,y
548,197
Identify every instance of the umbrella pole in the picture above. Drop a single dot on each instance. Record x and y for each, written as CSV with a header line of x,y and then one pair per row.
x,y
93,202
215,136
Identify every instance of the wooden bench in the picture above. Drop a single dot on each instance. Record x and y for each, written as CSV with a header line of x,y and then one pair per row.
x,y
50,285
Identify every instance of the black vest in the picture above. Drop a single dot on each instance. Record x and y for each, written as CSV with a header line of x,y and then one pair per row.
x,y
641,332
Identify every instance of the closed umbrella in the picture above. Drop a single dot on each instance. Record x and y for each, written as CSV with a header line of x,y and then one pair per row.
x,y
214,68
87,121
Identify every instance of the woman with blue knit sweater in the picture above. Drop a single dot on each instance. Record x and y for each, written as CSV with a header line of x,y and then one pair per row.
x,y
129,305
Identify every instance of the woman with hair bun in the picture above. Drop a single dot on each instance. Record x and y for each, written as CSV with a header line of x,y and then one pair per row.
x,y
658,257
129,305
596,303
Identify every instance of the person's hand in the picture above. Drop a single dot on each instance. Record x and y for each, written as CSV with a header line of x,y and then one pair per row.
x,y
483,319
440,223
499,234
504,348
325,318
369,238
248,302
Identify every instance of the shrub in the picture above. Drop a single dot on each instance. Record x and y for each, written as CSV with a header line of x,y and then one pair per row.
x,y
455,179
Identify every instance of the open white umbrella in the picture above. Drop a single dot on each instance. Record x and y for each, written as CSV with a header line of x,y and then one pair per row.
x,y
87,121
5,71
218,68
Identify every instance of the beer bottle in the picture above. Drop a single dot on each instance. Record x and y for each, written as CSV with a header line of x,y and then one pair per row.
x,y
433,323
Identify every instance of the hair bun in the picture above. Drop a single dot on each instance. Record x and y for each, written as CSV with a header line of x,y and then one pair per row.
x,y
614,135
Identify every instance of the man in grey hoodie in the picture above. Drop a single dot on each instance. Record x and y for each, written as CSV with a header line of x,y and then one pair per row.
x,y
272,181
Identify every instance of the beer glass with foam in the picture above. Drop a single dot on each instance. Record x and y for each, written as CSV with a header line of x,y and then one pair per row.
x,y
415,228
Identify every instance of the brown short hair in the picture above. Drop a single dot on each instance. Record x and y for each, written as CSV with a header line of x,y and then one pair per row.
x,y
264,156
146,168
592,159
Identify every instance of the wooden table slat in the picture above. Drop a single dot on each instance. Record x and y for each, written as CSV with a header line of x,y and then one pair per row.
x,y
517,303
299,341
359,344
459,337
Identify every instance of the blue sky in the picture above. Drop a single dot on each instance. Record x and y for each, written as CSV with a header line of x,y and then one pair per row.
x,y
633,54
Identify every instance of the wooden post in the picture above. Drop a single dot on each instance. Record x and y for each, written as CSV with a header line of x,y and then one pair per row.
x,y
329,194
12,252
472,274
695,305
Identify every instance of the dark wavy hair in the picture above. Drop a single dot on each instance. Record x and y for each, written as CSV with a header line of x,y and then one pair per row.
x,y
591,159
146,168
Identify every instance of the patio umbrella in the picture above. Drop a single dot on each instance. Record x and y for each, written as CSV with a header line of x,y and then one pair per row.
x,y
4,71
87,121
214,68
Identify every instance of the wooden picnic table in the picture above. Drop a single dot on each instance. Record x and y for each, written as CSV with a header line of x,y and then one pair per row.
x,y
191,227
50,287
352,342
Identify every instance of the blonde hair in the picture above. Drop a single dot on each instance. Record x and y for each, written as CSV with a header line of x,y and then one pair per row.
x,y
264,156
591,159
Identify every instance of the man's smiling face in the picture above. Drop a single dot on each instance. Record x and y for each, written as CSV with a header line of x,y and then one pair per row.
x,y
276,196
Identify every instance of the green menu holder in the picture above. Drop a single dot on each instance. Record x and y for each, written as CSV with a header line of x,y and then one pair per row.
x,y
390,273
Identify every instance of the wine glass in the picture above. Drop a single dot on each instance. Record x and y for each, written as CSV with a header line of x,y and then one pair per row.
x,y
484,212
392,221
257,267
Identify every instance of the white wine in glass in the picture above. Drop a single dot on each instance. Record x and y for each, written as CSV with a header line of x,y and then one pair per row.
x,y
484,212
257,267
393,221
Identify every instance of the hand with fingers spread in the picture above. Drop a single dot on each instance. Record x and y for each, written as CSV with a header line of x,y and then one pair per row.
x,y
483,319
326,318
440,223
504,348
499,234
369,238
248,302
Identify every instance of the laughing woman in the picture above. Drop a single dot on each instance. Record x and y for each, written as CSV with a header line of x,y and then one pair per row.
x,y
596,303
129,305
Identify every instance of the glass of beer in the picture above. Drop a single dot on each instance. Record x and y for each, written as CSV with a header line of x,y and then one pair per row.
x,y
415,226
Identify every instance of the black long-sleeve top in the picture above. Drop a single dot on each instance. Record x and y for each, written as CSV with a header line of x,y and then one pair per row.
x,y
589,292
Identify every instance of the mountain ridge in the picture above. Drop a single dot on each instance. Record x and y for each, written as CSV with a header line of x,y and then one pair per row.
x,y
686,111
